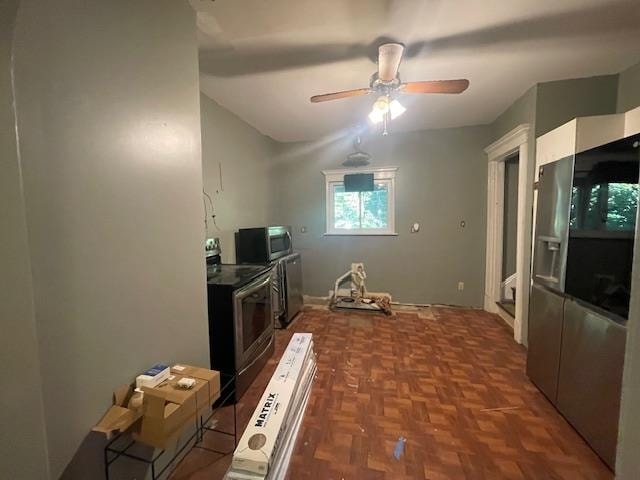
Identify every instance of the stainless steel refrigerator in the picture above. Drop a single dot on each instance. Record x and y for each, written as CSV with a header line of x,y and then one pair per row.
x,y
546,301
581,276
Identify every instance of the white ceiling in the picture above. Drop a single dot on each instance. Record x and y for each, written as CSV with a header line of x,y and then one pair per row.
x,y
263,59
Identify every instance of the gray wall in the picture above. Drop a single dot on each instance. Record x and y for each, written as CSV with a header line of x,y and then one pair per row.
x,y
441,180
22,448
562,101
108,116
510,231
629,88
522,111
241,198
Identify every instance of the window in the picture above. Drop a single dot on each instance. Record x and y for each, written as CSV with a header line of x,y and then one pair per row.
x,y
361,213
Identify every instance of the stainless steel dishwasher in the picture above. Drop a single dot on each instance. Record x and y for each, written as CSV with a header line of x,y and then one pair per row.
x,y
292,282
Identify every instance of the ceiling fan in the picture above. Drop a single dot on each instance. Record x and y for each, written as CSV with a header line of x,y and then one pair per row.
x,y
386,84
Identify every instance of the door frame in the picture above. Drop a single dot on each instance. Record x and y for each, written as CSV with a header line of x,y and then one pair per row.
x,y
517,140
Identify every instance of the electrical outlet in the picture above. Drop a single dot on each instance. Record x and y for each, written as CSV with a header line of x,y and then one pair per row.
x,y
460,286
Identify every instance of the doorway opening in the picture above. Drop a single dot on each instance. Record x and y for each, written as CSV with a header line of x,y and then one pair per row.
x,y
509,276
509,211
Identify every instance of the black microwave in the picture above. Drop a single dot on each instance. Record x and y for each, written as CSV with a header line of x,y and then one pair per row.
x,y
263,244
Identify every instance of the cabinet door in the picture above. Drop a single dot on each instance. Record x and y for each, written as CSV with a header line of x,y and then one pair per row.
x,y
590,378
545,335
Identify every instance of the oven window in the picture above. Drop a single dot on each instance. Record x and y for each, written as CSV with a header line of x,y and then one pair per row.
x,y
255,315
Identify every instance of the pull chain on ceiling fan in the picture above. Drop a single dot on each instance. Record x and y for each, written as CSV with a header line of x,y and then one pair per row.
x,y
386,83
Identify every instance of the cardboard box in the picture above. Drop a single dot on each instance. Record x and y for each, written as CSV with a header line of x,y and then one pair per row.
x,y
118,417
168,409
204,394
258,444
191,371
212,377
164,419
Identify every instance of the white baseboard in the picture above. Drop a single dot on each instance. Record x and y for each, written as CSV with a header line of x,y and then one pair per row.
x,y
508,319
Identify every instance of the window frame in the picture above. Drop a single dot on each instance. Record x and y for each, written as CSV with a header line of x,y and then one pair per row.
x,y
336,177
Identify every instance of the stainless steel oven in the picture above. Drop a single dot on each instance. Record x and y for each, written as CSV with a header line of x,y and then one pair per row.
x,y
240,322
253,318
263,244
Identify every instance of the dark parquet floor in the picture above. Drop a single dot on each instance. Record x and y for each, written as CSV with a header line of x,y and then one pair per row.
x,y
450,381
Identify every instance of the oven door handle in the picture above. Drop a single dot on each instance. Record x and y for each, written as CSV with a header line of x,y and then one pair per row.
x,y
252,287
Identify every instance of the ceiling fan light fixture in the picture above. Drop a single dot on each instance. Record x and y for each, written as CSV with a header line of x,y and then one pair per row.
x,y
382,104
396,109
376,116
380,109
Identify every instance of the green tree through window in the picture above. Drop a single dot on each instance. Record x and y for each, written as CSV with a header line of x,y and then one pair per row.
x,y
361,210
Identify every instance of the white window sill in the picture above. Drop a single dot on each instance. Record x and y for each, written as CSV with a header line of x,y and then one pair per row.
x,y
360,234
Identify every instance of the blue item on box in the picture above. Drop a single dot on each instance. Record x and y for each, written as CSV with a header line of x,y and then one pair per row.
x,y
156,369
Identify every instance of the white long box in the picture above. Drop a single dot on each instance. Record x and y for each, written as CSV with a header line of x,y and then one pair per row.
x,y
256,449
280,464
281,457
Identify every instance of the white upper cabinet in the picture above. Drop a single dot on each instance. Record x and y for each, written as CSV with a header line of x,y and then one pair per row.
x,y
632,122
584,133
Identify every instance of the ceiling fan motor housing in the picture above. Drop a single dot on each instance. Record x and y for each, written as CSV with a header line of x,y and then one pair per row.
x,y
381,86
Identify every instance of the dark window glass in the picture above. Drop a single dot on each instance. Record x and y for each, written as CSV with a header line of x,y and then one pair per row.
x,y
602,221
255,315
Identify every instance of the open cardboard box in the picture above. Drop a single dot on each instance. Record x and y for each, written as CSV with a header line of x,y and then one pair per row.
x,y
119,418
164,419
169,408
166,410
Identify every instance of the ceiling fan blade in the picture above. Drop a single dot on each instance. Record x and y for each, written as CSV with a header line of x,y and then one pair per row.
x,y
337,95
389,57
436,86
